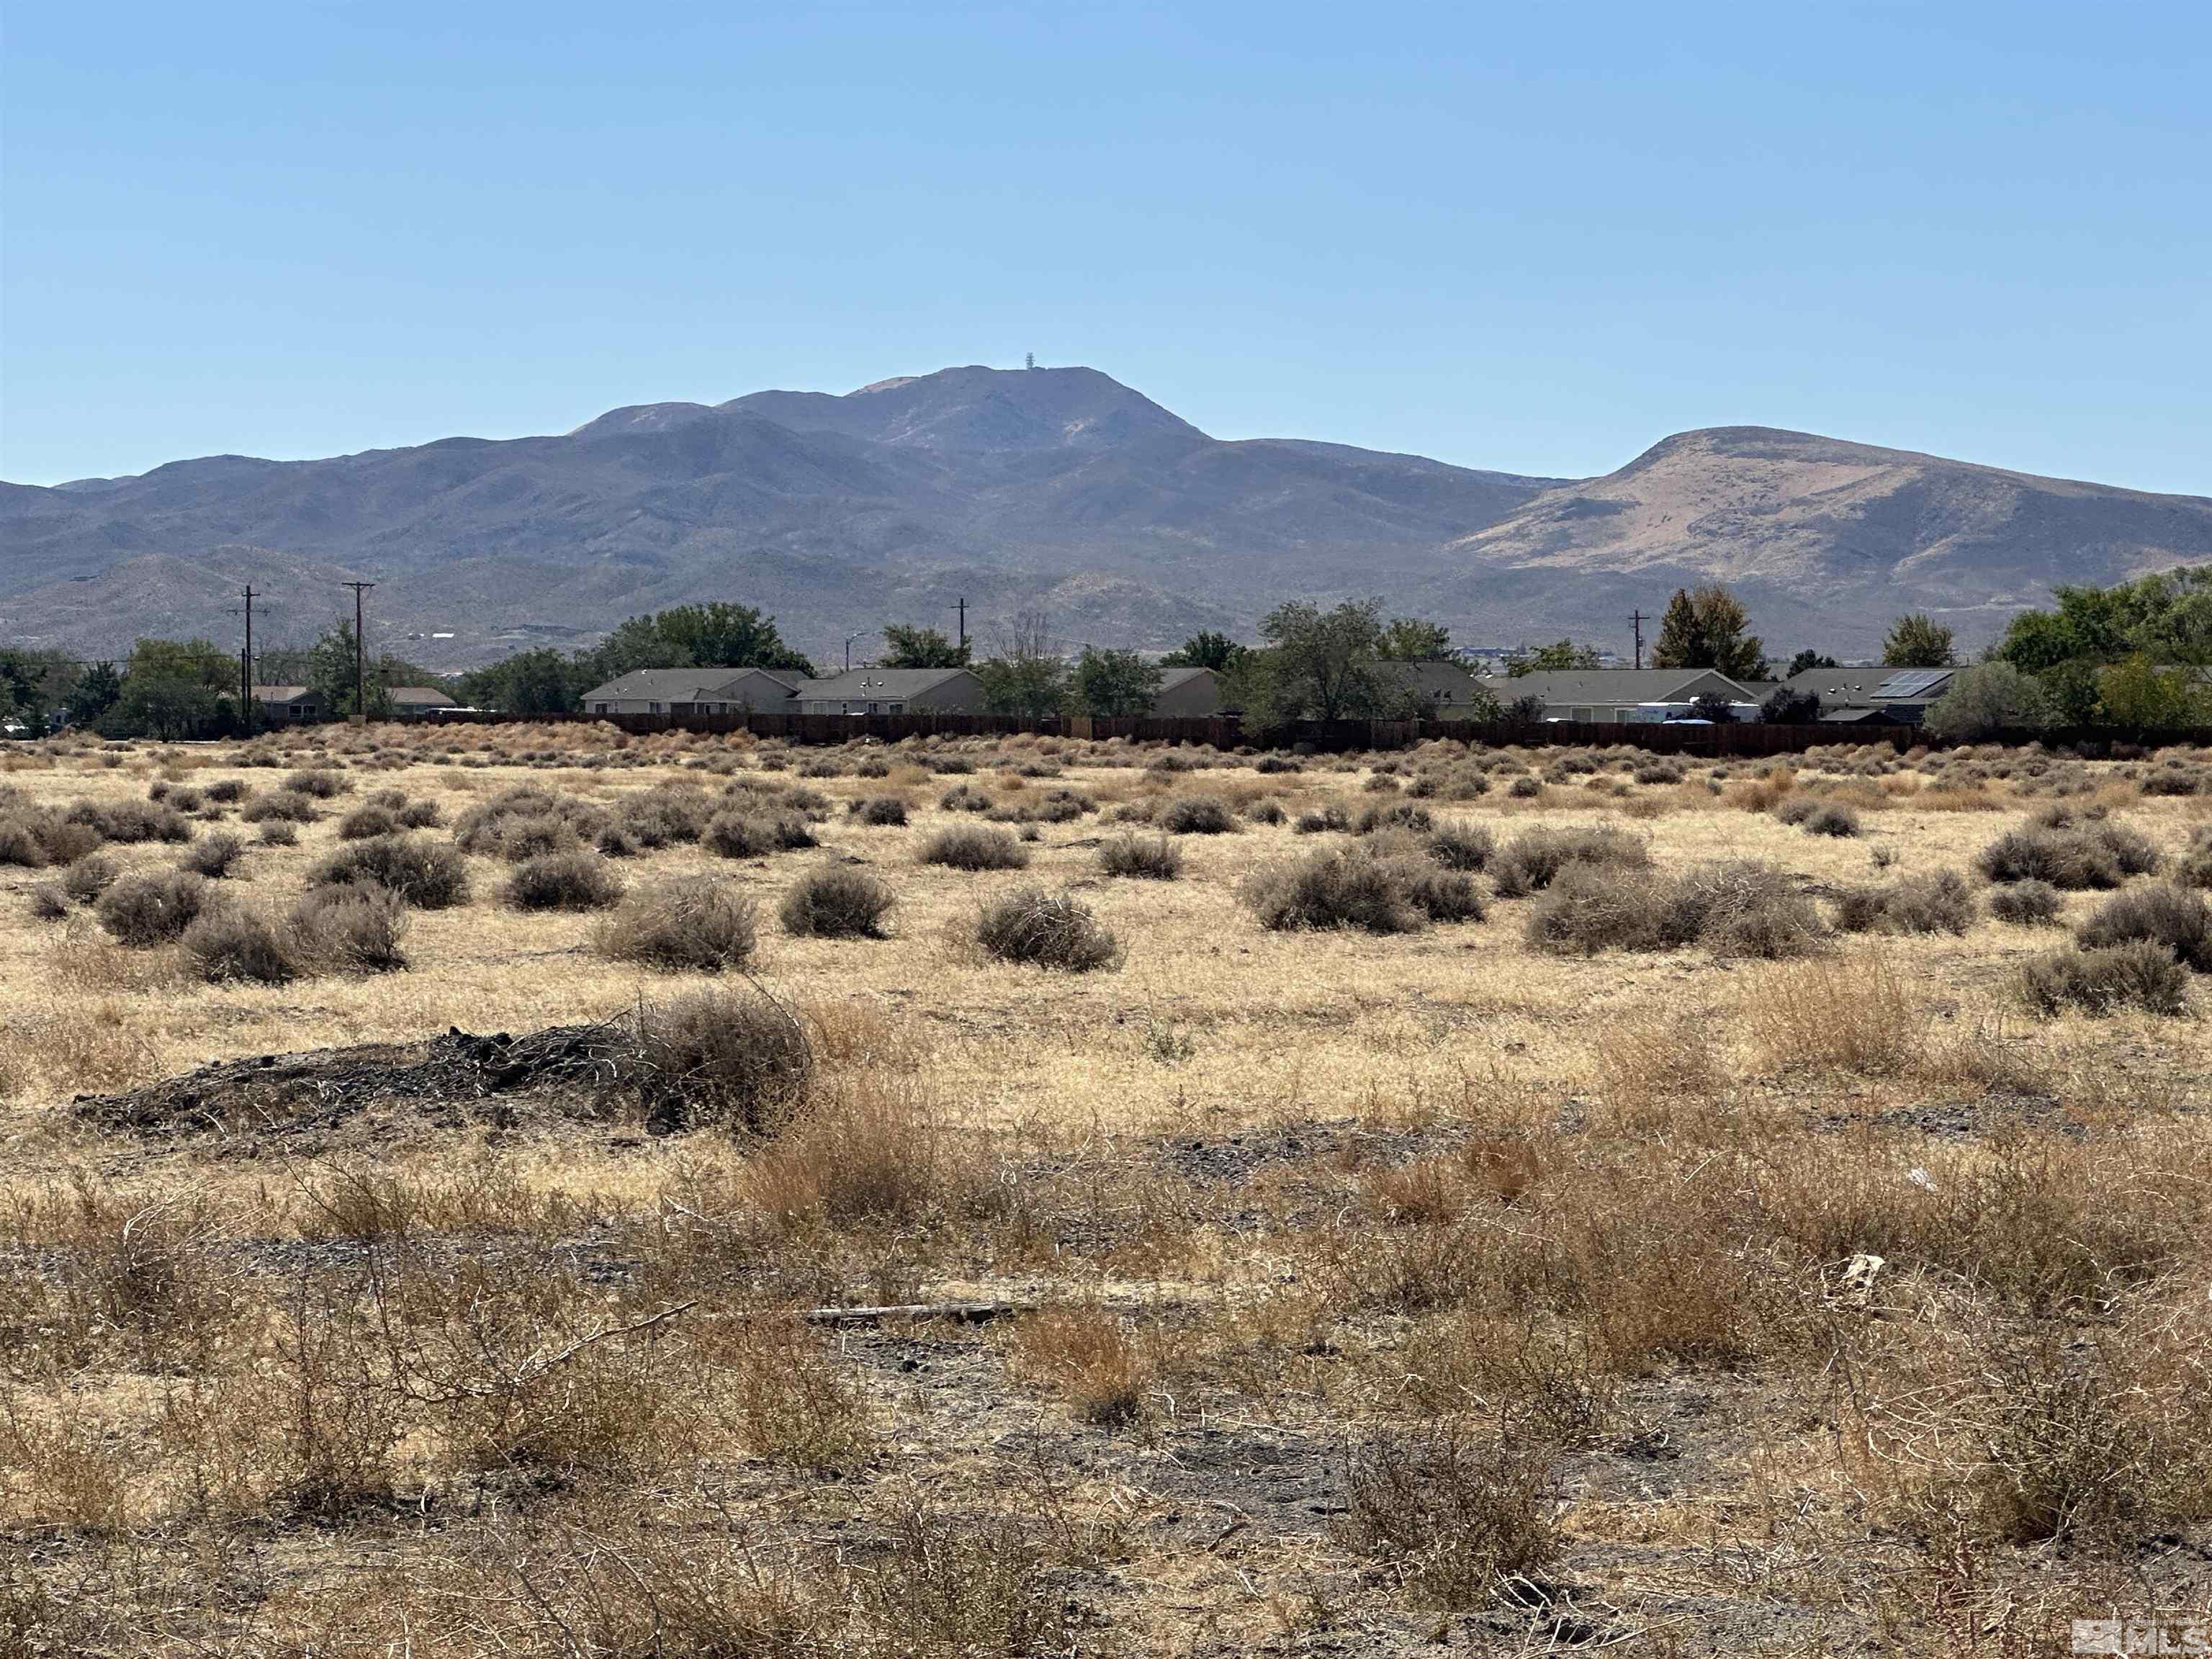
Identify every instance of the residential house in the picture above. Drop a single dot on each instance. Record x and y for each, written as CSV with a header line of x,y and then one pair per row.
x,y
290,703
1875,694
893,692
418,702
1186,693
1441,689
694,691
1604,695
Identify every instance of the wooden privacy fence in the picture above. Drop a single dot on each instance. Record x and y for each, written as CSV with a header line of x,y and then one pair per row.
x,y
1742,738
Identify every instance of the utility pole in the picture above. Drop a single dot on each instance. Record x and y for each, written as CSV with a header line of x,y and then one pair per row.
x,y
360,657
1639,619
962,609
246,667
850,638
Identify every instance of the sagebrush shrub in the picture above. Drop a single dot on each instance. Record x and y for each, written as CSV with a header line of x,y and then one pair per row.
x,y
237,942
143,911
2073,853
1399,815
882,811
1940,902
427,875
1196,815
1152,858
738,1058
1733,909
320,782
1831,818
693,924
563,881
128,821
350,929
2165,914
367,820
1050,930
1531,861
735,834
974,846
212,856
2137,975
2026,904
1462,846
280,806
88,877
1342,888
838,903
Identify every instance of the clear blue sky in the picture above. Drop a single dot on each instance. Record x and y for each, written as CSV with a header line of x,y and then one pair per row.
x,y
1536,238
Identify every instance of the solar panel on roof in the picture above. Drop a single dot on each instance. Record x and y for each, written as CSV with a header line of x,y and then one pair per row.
x,y
1911,685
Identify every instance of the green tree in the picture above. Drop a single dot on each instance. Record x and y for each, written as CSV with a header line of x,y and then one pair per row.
x,y
1323,664
1789,707
1917,640
539,682
1804,661
1987,699
1113,684
1562,656
96,691
1705,629
2137,692
1027,677
1206,649
332,677
1407,638
715,636
32,685
920,648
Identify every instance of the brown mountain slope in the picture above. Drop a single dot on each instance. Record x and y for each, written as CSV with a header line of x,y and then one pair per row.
x,y
1058,486
1825,539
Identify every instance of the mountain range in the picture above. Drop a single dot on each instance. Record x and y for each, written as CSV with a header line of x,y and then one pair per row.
x,y
1058,488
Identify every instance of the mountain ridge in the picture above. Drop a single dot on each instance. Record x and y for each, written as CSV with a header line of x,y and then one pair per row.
x,y
1059,486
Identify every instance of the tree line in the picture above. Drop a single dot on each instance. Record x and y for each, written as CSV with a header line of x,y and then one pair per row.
x,y
2136,654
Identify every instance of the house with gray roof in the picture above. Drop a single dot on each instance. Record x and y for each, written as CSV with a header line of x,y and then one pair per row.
x,y
1874,694
694,691
416,702
290,703
1603,695
1440,687
893,692
1186,693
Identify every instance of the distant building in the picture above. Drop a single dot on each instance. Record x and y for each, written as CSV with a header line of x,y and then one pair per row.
x,y
416,702
1875,694
1603,695
893,692
694,691
290,703
1442,688
1186,693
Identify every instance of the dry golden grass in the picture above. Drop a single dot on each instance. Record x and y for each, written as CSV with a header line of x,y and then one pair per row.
x,y
1317,1284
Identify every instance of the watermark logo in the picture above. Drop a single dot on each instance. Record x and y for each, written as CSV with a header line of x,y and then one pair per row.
x,y
2135,1637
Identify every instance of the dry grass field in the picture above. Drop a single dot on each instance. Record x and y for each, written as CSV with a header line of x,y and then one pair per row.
x,y
1513,1202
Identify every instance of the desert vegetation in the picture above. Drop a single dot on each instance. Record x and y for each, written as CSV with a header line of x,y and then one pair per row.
x,y
553,1193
